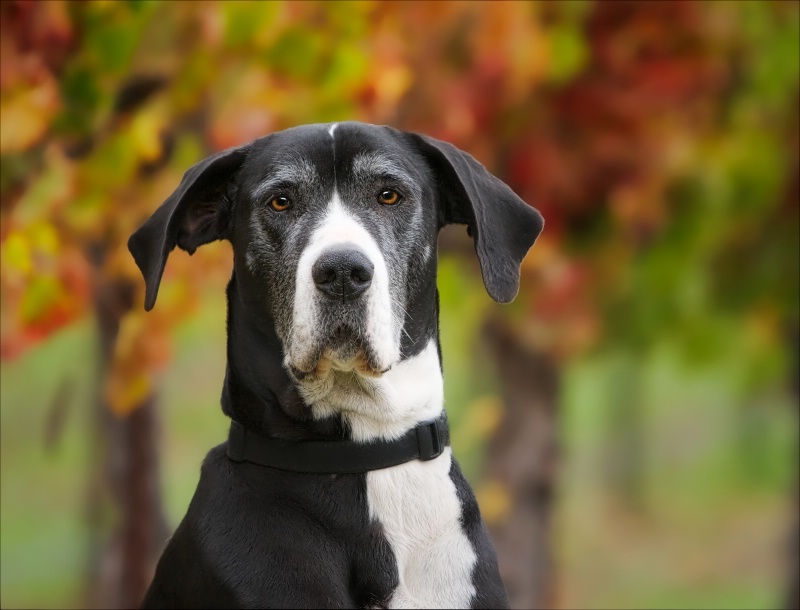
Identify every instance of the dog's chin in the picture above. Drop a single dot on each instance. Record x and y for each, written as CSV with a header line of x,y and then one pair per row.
x,y
343,350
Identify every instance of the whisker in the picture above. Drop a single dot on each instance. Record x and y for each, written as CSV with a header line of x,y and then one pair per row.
x,y
403,309
400,306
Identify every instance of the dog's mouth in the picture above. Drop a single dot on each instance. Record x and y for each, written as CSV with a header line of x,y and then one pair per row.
x,y
344,349
344,344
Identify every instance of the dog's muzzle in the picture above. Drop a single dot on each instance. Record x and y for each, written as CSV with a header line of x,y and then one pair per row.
x,y
343,316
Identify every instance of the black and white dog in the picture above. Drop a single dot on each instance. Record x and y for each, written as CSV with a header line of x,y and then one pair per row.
x,y
333,338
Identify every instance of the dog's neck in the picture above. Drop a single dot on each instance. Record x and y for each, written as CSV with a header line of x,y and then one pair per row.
x,y
260,393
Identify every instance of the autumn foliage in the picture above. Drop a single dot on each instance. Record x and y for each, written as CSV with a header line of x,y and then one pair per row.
x,y
658,139
597,112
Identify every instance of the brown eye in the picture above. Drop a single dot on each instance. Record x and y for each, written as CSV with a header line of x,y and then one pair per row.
x,y
280,203
388,197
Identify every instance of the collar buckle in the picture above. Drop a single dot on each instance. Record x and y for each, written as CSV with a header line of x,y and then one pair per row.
x,y
430,440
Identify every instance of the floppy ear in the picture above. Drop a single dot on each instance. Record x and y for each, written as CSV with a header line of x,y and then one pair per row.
x,y
502,226
195,214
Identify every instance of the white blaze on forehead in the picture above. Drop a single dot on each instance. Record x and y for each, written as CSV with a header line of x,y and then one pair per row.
x,y
332,128
382,327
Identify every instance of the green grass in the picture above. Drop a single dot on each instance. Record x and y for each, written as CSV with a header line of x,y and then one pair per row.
x,y
43,544
710,524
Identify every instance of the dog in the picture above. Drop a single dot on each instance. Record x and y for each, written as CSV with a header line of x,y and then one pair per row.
x,y
337,487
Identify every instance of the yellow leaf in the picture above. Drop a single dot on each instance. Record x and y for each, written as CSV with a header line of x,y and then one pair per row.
x,y
44,238
479,423
494,501
125,394
146,136
42,294
131,328
486,414
26,114
17,254
392,83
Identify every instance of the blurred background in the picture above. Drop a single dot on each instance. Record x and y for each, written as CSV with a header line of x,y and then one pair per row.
x,y
629,423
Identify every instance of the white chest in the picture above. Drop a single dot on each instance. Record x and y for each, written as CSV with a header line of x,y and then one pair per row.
x,y
417,505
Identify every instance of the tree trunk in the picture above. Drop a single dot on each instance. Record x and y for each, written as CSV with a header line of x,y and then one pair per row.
x,y
523,458
125,517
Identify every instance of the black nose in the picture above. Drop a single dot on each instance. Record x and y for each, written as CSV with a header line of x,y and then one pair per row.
x,y
343,273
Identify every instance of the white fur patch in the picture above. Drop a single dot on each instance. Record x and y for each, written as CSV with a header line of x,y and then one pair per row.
x,y
382,326
332,128
384,407
417,505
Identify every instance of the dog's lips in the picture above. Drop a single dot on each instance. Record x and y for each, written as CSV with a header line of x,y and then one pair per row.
x,y
345,351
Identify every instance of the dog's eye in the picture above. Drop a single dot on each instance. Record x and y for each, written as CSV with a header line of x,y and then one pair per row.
x,y
280,203
388,197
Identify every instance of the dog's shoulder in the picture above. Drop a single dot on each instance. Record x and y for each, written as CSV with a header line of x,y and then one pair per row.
x,y
244,527
489,589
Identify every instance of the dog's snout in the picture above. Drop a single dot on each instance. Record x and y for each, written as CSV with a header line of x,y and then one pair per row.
x,y
343,273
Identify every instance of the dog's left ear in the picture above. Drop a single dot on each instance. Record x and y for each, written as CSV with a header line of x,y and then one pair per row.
x,y
502,226
195,214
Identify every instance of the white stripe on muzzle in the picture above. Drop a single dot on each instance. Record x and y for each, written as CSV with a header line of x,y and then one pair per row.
x,y
382,326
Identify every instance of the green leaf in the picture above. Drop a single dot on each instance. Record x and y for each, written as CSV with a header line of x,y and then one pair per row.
x,y
568,53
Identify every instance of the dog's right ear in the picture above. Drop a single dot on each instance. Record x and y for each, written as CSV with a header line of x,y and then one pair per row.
x,y
502,225
195,214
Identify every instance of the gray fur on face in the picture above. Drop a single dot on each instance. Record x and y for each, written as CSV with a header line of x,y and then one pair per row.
x,y
312,177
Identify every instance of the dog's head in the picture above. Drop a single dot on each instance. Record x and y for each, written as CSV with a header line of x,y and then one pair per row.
x,y
334,231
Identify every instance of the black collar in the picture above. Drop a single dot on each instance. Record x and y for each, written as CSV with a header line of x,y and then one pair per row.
x,y
424,442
